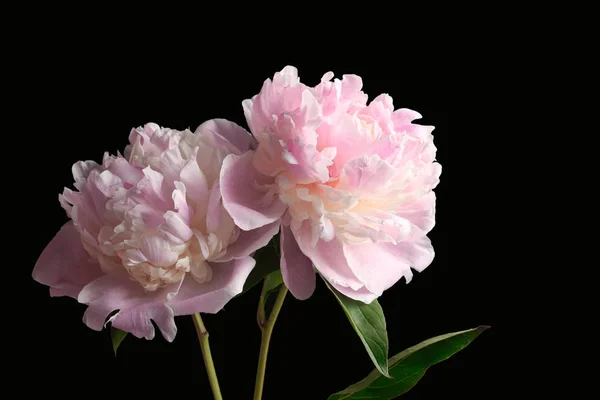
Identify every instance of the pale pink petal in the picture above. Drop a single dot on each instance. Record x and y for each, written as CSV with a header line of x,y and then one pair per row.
x,y
377,265
175,229
361,294
213,210
82,169
250,241
128,173
235,134
136,320
158,251
64,265
249,207
227,282
296,268
420,213
327,257
180,202
136,307
367,175
419,254
194,180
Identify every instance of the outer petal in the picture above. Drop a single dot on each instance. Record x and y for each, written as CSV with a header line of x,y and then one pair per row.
x,y
227,282
327,257
235,134
363,294
246,194
250,241
420,213
64,265
296,269
379,265
419,254
136,307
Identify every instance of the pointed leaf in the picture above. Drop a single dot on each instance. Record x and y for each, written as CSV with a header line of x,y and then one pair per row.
x,y
408,366
369,323
117,337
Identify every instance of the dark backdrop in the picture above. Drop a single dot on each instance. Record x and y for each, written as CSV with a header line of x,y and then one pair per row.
x,y
85,101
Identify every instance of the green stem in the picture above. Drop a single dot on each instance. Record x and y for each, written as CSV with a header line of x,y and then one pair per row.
x,y
267,330
208,361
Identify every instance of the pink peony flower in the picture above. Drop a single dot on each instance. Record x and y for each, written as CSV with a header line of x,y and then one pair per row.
x,y
148,234
350,182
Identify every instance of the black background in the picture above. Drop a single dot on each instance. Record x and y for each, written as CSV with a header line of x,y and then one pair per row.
x,y
84,101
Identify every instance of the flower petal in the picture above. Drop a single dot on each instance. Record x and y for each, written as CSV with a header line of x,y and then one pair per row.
x,y
136,307
366,175
250,241
227,281
327,257
378,265
158,251
232,132
419,254
243,199
64,265
362,294
296,269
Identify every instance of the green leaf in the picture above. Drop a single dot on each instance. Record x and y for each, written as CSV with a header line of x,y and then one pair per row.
x,y
272,283
267,261
369,323
408,366
117,337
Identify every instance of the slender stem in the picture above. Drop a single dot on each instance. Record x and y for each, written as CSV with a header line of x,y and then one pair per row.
x,y
208,361
266,338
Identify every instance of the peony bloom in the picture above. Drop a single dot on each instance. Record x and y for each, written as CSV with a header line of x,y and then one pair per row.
x,y
350,182
148,234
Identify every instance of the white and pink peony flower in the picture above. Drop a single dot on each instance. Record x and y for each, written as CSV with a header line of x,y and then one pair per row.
x,y
350,182
148,234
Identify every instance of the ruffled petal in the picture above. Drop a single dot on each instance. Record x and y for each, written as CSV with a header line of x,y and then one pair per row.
x,y
64,265
246,193
327,257
136,307
366,175
296,269
235,134
209,297
250,241
378,265
362,294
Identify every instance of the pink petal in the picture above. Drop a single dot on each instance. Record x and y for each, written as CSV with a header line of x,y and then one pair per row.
x,y
128,173
249,207
419,254
175,229
420,213
235,134
195,181
82,169
136,307
136,320
296,269
366,175
250,241
158,251
64,265
327,257
227,281
213,211
361,294
377,265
